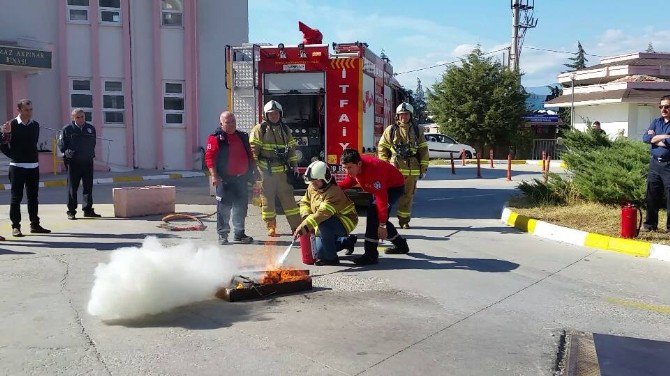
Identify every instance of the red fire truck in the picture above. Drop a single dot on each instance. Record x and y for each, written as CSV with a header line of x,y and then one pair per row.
x,y
332,100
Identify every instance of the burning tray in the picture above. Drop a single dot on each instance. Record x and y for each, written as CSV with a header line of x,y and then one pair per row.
x,y
261,284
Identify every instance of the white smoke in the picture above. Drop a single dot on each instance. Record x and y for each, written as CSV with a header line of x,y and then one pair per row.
x,y
153,279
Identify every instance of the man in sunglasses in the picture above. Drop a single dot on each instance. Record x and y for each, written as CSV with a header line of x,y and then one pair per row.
x,y
658,179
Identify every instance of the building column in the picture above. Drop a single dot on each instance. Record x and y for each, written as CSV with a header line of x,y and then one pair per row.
x,y
16,84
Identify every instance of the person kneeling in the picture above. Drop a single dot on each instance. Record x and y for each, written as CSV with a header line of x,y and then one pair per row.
x,y
325,207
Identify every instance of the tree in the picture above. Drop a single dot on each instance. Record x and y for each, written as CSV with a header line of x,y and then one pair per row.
x,y
420,105
650,48
563,112
480,102
579,60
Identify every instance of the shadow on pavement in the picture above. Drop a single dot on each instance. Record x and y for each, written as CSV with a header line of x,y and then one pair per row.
x,y
421,261
75,245
8,252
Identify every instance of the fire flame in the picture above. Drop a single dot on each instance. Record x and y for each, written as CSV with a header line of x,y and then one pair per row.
x,y
283,275
274,273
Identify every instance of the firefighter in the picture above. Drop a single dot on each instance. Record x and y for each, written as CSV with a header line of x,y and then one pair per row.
x,y
387,185
274,152
403,145
326,207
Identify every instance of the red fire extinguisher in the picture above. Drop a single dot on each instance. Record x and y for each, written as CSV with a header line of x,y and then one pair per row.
x,y
306,249
630,224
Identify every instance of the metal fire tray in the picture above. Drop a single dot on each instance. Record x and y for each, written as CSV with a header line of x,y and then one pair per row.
x,y
253,290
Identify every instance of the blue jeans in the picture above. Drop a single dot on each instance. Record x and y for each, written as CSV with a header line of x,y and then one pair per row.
x,y
330,238
233,195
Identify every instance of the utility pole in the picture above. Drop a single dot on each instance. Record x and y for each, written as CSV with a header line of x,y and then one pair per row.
x,y
522,20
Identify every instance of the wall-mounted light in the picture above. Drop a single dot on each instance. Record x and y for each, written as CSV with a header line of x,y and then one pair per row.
x,y
282,53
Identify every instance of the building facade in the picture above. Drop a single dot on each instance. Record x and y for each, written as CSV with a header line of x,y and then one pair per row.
x,y
149,74
622,93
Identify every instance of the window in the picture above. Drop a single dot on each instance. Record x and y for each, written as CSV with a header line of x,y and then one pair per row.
x,y
173,104
113,102
110,11
172,12
81,96
77,11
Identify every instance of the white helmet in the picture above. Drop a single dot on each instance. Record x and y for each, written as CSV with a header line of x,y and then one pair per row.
x,y
404,107
272,105
318,170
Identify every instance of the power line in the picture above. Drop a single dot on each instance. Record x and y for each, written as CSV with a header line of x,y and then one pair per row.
x,y
558,51
448,63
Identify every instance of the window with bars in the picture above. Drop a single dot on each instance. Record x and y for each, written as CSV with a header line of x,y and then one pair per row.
x,y
113,105
81,96
173,104
172,13
77,11
110,11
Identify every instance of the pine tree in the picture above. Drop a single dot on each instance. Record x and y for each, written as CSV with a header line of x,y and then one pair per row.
x,y
420,105
579,60
480,102
650,48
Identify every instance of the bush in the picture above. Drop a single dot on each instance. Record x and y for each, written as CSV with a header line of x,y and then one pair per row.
x,y
601,170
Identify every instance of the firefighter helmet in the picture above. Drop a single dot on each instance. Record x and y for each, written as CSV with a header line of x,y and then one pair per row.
x,y
318,170
272,105
404,107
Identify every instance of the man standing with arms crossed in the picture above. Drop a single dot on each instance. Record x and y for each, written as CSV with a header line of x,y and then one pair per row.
x,y
19,142
658,179
77,143
386,184
231,168
404,146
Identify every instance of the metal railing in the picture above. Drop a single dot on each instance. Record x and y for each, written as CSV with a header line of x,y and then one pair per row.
x,y
545,145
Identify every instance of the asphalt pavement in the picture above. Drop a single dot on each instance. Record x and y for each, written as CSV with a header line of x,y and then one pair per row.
x,y
473,297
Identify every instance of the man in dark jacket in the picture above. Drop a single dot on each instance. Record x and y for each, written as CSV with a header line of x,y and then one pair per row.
x,y
231,166
77,143
19,142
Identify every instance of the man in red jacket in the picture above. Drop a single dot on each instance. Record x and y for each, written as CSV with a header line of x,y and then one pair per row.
x,y
231,167
387,185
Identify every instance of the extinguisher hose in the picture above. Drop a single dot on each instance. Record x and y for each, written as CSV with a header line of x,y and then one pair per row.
x,y
639,221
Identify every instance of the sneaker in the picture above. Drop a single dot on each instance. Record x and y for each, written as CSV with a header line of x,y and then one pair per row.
x,y
16,232
91,214
320,262
400,247
272,232
37,229
71,216
349,244
366,260
223,240
243,238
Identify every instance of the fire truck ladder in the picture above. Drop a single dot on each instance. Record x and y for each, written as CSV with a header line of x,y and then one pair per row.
x,y
242,83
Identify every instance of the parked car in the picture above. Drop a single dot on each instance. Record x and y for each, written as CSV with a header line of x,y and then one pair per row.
x,y
440,146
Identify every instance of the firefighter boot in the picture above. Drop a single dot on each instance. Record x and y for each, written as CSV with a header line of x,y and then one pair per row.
x,y
371,255
403,222
399,247
272,229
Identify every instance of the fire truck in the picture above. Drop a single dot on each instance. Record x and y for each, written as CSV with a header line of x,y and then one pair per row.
x,y
332,99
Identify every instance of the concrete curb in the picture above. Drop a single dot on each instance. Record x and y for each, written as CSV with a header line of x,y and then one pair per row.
x,y
119,179
585,239
484,162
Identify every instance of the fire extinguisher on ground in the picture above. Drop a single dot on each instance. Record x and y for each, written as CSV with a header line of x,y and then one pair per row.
x,y
630,223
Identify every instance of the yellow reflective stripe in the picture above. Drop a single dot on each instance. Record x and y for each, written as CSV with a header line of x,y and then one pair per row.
x,y
403,214
327,207
348,223
311,222
384,144
350,208
294,211
424,163
268,215
293,159
423,144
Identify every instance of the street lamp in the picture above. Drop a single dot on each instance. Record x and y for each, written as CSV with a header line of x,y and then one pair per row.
x,y
572,105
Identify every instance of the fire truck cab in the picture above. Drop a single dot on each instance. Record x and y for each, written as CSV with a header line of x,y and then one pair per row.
x,y
332,100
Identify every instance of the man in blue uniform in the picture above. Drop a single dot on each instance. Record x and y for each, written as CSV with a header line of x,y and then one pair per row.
x,y
658,179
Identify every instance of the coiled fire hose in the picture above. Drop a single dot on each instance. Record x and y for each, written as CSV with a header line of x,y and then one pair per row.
x,y
199,226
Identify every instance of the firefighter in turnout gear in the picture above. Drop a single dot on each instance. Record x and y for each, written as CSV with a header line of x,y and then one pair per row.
x,y
274,152
404,146
325,207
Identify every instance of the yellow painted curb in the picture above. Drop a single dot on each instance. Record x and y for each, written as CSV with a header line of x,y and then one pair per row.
x,y
175,176
55,183
126,179
631,247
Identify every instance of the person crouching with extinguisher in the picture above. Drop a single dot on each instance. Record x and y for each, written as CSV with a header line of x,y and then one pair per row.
x,y
326,209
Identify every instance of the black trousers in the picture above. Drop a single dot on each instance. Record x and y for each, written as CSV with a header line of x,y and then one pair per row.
x,y
658,185
372,223
79,170
30,179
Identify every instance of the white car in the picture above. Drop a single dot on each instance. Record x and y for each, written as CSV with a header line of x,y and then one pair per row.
x,y
440,146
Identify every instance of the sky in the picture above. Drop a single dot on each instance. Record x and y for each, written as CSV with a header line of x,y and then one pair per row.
x,y
421,33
